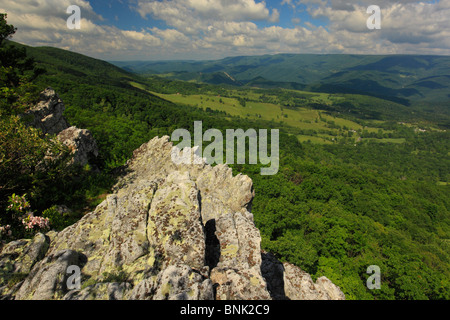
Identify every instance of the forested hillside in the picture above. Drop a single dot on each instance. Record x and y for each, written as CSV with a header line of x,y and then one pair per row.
x,y
333,209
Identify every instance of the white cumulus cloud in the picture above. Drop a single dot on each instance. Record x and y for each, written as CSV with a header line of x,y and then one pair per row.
x,y
207,29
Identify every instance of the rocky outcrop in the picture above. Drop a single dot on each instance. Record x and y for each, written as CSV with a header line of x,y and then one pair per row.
x,y
48,116
168,231
82,145
288,282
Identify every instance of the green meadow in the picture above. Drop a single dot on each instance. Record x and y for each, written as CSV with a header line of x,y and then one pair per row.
x,y
317,126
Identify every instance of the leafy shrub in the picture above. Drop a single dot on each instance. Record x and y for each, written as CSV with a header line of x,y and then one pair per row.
x,y
20,221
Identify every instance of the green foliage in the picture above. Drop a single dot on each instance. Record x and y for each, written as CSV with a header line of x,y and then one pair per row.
x,y
21,151
57,220
338,219
6,30
31,163
19,221
17,71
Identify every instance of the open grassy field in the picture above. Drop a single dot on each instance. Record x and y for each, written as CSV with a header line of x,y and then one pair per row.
x,y
291,110
317,125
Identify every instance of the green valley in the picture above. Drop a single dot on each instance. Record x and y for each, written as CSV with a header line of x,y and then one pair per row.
x,y
407,79
302,121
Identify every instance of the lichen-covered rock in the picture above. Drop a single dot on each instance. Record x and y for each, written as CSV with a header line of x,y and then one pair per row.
x,y
21,255
16,260
100,291
323,284
235,284
168,231
180,282
47,279
174,227
47,114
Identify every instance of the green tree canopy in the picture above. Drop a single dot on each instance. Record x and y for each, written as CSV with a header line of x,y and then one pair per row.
x,y
6,30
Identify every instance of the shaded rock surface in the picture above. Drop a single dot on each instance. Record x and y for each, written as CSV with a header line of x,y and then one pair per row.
x,y
168,231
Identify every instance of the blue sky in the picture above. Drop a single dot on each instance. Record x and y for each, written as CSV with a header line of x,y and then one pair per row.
x,y
213,29
122,15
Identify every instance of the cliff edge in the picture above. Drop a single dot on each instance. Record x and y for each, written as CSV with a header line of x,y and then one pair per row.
x,y
166,232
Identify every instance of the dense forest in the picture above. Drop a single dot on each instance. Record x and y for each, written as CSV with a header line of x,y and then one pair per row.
x,y
333,209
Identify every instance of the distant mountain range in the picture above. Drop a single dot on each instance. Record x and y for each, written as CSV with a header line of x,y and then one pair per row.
x,y
408,79
422,83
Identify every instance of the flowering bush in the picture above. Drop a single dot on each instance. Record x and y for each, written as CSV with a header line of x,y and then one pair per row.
x,y
18,204
33,223
21,221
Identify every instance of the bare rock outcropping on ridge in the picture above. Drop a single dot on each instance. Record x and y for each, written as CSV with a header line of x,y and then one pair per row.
x,y
48,116
48,113
167,232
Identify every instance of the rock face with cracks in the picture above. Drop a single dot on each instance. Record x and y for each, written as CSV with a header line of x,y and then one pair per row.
x,y
168,231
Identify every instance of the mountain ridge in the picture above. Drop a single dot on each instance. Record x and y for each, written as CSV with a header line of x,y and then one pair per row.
x,y
394,76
